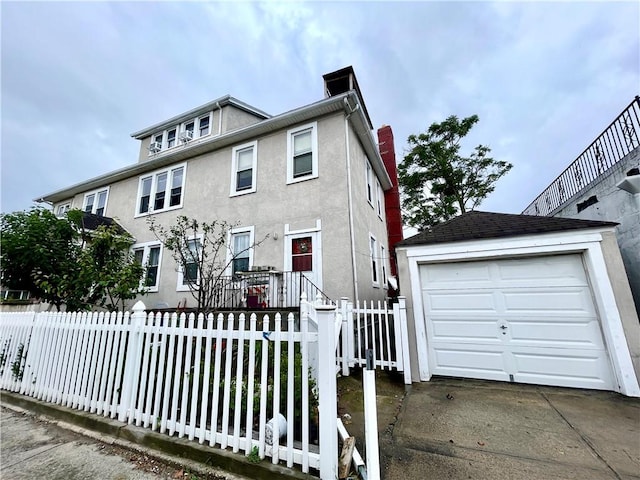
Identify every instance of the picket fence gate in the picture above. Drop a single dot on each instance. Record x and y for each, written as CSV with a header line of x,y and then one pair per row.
x,y
375,326
225,381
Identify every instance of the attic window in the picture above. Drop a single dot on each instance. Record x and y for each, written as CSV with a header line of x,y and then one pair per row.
x,y
587,203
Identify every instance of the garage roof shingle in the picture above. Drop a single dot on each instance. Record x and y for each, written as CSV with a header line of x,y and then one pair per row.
x,y
483,225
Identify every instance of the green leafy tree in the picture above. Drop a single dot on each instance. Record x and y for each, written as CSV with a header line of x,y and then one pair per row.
x,y
61,263
437,182
39,253
111,269
201,251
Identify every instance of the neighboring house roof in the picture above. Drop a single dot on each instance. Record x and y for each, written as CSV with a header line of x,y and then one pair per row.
x,y
477,225
344,102
91,221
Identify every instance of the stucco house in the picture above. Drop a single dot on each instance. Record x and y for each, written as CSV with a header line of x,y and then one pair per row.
x,y
311,179
603,183
521,298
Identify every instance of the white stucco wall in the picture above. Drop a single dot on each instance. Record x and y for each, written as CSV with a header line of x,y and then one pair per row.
x,y
273,205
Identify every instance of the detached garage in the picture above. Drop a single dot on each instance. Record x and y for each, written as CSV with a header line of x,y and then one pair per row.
x,y
518,298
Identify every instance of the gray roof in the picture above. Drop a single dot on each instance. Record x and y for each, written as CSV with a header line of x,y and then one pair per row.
x,y
477,225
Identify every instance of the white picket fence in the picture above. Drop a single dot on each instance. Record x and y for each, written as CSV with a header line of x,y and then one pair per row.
x,y
379,327
216,380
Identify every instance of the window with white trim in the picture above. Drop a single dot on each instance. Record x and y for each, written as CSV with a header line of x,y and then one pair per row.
x,y
96,202
161,191
373,253
383,263
189,273
203,125
302,153
369,182
63,209
241,249
379,198
171,138
243,169
148,255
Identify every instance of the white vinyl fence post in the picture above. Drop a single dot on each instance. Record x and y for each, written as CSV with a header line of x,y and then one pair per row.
x,y
371,418
132,363
402,322
327,391
345,337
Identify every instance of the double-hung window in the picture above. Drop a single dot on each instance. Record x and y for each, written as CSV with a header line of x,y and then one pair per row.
x,y
189,274
373,252
383,264
96,202
369,180
379,198
240,249
171,138
302,153
161,190
148,255
243,169
203,125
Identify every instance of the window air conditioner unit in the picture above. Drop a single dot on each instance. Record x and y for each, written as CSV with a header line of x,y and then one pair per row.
x,y
155,147
186,135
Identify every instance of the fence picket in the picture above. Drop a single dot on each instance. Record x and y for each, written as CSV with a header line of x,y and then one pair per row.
x,y
205,385
147,345
275,428
112,351
168,361
196,378
217,365
227,384
100,362
239,385
123,333
250,385
186,378
177,375
263,389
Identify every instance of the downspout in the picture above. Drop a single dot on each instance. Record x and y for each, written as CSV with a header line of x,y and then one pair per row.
x,y
351,230
220,118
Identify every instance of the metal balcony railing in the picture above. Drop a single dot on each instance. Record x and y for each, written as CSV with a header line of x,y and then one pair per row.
x,y
613,144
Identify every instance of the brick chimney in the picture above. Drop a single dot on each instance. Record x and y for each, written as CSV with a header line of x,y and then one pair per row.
x,y
392,196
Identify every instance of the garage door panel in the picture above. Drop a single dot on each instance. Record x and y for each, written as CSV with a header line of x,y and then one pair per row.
x,y
555,301
561,270
456,301
442,274
468,361
471,330
575,368
559,334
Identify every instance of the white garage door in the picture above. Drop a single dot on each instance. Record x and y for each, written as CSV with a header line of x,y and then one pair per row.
x,y
529,320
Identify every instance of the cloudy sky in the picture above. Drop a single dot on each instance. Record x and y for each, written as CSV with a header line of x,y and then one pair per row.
x,y
545,78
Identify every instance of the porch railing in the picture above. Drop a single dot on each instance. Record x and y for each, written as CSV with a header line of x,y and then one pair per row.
x,y
613,144
265,290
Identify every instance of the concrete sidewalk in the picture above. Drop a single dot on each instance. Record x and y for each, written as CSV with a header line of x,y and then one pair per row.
x,y
467,429
443,429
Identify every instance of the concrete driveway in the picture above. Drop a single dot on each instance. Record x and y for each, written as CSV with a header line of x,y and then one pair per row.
x,y
467,429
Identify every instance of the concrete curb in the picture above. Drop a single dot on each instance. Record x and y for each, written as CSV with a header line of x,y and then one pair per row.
x,y
170,449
